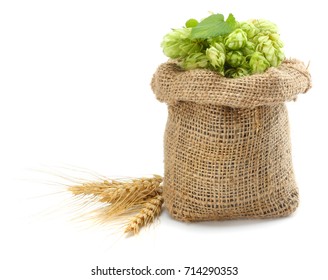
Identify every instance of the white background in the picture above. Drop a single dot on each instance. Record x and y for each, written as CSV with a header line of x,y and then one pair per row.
x,y
75,91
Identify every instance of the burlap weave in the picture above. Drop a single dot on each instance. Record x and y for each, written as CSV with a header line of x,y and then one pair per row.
x,y
227,150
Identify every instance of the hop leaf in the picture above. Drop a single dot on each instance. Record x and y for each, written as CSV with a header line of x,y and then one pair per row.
x,y
236,39
213,26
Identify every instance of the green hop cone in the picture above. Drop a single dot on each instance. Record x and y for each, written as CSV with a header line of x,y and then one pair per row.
x,y
171,50
274,55
265,25
216,56
278,45
236,39
177,44
280,55
249,48
191,23
237,72
275,38
235,58
218,39
176,35
258,63
195,60
189,47
249,28
171,41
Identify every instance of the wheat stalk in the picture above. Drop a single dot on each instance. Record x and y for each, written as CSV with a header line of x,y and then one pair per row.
x,y
150,211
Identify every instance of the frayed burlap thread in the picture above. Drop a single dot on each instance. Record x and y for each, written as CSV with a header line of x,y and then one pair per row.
x,y
227,151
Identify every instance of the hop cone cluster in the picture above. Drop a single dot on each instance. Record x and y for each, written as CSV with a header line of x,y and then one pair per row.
x,y
251,47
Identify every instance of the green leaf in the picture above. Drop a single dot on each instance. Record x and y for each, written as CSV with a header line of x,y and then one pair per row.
x,y
231,21
213,26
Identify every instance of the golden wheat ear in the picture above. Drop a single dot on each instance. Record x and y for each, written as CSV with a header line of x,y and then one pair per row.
x,y
134,202
148,213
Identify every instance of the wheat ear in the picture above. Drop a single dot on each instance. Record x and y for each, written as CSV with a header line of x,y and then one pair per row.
x,y
94,188
150,211
123,198
131,195
112,190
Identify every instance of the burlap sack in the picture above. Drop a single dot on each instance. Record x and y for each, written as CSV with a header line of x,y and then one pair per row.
x,y
227,150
